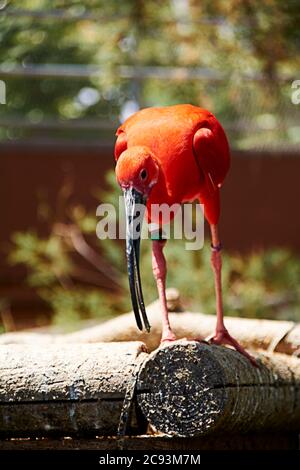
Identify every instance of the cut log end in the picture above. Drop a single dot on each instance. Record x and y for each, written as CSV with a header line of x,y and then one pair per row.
x,y
192,389
177,389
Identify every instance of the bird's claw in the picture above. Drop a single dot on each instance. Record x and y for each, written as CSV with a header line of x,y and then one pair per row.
x,y
168,337
223,337
172,337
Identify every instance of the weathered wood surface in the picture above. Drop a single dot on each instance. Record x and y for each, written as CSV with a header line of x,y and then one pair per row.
x,y
279,336
184,389
144,442
196,389
64,390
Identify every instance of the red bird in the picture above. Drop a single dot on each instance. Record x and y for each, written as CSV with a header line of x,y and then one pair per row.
x,y
172,155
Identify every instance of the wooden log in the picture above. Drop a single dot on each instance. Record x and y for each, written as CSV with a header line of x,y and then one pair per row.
x,y
280,336
195,389
147,442
65,390
184,389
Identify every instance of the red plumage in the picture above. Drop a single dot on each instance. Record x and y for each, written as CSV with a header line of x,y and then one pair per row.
x,y
172,155
191,148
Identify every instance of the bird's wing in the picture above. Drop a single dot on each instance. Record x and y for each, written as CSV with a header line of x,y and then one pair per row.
x,y
211,151
212,155
121,143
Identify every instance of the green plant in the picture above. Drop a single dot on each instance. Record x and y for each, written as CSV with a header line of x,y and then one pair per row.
x,y
264,284
247,54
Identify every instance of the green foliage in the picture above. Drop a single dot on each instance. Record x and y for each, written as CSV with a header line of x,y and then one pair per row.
x,y
72,305
261,285
46,259
264,284
73,289
247,50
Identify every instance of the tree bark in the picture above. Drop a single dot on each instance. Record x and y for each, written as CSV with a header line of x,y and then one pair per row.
x,y
196,389
146,442
184,389
65,390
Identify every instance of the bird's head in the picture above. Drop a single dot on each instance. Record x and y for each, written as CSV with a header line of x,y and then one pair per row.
x,y
137,172
137,168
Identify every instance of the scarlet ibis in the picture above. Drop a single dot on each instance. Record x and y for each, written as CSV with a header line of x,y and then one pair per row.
x,y
170,155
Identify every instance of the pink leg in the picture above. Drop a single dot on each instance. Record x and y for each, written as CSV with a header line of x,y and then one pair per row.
x,y
222,336
159,267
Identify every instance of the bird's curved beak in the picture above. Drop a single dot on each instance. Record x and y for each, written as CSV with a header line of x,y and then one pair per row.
x,y
135,205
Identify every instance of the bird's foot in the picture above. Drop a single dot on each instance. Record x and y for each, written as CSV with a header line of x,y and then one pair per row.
x,y
171,337
198,339
223,337
167,337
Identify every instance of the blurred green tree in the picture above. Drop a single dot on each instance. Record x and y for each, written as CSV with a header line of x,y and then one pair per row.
x,y
237,58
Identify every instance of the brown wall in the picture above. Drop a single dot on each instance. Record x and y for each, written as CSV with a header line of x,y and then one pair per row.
x,y
259,199
29,170
260,196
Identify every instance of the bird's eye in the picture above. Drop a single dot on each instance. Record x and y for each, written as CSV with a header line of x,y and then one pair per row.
x,y
143,174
